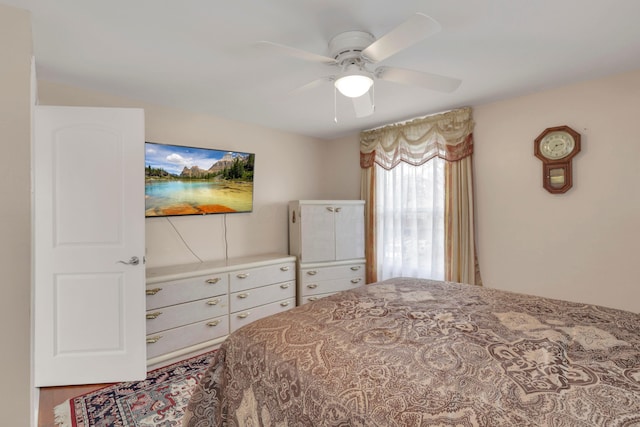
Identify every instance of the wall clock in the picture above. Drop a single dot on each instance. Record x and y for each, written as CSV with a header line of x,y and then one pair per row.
x,y
556,147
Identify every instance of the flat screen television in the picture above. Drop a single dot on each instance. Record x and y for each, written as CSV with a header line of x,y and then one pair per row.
x,y
196,181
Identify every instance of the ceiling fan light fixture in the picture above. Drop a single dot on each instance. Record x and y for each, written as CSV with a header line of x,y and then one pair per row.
x,y
354,84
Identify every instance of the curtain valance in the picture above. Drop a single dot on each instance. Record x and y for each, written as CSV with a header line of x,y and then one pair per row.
x,y
445,135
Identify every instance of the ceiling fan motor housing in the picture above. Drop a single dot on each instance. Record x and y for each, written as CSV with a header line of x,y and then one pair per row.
x,y
346,48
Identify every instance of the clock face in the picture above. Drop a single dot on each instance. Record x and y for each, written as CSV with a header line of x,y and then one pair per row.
x,y
556,145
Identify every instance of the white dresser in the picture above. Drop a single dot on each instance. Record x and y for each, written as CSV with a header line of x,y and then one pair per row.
x,y
323,279
327,238
193,307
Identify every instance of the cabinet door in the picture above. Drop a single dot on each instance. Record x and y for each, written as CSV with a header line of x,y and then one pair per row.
x,y
349,229
317,233
89,276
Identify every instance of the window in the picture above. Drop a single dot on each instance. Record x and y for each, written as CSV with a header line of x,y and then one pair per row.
x,y
410,220
408,232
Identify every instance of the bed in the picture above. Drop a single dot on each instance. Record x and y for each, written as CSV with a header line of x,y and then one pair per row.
x,y
413,352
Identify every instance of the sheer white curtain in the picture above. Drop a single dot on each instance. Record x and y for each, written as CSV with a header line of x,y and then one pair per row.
x,y
410,205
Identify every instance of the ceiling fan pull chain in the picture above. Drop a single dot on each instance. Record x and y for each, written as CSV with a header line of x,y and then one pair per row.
x,y
373,98
335,108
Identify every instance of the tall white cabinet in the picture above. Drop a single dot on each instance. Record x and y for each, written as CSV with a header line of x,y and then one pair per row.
x,y
327,237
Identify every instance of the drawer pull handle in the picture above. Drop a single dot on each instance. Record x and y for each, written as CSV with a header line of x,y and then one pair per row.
x,y
213,323
153,291
313,298
330,208
213,301
338,209
243,295
153,340
356,280
284,286
213,281
312,286
244,315
312,272
284,303
355,268
242,275
154,315
285,268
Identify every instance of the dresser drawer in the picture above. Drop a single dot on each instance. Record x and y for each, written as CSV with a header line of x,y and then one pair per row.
x,y
186,313
326,286
173,292
185,336
249,298
308,275
252,277
312,298
241,318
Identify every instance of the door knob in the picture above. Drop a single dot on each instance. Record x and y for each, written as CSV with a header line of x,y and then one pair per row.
x,y
134,260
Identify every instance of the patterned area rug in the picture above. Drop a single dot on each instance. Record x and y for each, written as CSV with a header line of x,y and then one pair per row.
x,y
158,401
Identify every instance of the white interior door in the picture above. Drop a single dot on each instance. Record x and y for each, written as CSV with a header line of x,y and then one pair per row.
x,y
88,232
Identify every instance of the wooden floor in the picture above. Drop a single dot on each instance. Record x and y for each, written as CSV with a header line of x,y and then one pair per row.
x,y
50,397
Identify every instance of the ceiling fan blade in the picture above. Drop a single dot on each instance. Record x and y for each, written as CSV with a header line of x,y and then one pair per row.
x,y
413,30
313,84
363,105
295,52
418,78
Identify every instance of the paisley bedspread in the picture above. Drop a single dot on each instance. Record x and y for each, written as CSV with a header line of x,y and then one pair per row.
x,y
413,352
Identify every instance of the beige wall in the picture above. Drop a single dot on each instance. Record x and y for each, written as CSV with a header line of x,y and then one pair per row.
x,y
15,211
287,168
582,245
342,168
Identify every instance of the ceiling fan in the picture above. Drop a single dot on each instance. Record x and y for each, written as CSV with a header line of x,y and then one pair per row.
x,y
355,53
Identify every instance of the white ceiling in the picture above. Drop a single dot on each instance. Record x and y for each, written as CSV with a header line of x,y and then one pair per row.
x,y
201,55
